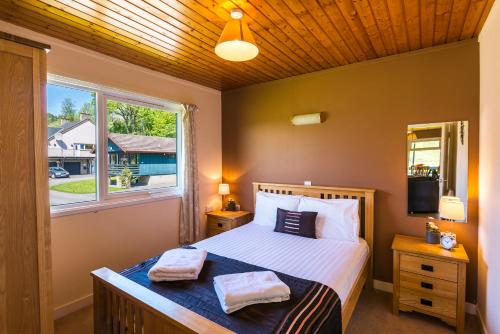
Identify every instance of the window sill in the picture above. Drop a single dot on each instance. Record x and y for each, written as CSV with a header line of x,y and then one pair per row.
x,y
112,204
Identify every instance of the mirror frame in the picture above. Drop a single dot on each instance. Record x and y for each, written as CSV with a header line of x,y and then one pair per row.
x,y
464,126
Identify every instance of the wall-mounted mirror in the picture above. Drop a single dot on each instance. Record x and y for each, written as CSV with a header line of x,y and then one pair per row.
x,y
437,170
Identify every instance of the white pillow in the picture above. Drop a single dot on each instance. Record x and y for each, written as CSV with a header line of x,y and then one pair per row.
x,y
267,204
337,218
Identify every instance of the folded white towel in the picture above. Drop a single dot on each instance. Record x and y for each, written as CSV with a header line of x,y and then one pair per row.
x,y
178,264
236,291
230,309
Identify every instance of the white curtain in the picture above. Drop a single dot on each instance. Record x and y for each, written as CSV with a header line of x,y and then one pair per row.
x,y
189,229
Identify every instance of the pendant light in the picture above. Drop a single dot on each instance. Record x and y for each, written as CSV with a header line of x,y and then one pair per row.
x,y
236,42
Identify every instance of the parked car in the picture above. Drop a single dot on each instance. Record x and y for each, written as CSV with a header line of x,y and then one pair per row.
x,y
57,172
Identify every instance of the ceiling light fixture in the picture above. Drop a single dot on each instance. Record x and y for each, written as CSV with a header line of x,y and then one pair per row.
x,y
236,42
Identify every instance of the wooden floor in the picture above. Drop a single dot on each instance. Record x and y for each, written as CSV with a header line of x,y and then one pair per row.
x,y
372,315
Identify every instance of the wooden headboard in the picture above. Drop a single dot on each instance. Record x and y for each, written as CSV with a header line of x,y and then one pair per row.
x,y
365,197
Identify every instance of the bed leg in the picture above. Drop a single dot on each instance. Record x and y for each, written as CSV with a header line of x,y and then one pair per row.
x,y
369,282
369,278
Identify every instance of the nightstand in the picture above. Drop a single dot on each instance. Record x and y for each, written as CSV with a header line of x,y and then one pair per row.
x,y
429,279
222,221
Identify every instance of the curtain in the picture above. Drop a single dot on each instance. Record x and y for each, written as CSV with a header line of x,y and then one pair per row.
x,y
189,229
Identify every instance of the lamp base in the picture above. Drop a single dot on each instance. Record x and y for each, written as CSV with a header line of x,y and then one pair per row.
x,y
223,207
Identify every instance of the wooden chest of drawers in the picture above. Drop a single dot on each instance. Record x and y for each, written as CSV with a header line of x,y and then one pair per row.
x,y
222,221
429,279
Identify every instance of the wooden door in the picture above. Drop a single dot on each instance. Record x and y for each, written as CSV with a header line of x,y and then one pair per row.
x,y
25,263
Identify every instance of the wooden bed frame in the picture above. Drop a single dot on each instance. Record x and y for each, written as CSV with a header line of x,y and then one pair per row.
x,y
122,306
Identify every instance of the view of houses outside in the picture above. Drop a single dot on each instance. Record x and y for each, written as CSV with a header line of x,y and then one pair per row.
x,y
71,144
141,146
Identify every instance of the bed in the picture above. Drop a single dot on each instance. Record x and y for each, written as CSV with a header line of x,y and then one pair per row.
x,y
124,306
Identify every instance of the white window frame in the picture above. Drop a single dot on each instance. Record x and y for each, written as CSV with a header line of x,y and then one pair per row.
x,y
105,200
412,149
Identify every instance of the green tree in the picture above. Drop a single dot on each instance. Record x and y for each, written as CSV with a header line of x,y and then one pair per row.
x,y
68,110
122,117
132,119
89,108
125,178
159,123
53,120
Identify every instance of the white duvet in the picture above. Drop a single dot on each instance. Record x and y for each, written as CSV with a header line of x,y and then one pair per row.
x,y
331,262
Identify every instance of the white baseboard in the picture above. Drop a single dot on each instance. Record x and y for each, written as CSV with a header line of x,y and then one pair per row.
x,y
71,307
387,287
482,324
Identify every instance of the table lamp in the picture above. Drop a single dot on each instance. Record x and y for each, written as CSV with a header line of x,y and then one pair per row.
x,y
451,209
223,191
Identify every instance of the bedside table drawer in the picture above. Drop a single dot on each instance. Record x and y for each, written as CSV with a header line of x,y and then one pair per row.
x,y
428,285
214,231
429,267
430,303
220,224
222,221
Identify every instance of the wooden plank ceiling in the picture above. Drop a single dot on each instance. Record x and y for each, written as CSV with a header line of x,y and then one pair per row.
x,y
178,37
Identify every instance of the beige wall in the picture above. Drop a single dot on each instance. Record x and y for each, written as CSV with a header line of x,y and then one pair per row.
x,y
363,141
489,177
120,237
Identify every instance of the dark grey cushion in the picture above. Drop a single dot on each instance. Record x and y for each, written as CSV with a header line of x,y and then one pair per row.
x,y
297,223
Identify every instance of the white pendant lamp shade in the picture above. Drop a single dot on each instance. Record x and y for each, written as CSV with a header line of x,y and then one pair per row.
x,y
236,42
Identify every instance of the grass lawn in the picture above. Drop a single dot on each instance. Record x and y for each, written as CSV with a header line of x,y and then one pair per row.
x,y
80,187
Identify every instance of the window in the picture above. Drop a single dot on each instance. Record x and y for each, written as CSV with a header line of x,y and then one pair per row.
x,y
87,147
105,144
145,139
71,120
424,153
133,159
113,158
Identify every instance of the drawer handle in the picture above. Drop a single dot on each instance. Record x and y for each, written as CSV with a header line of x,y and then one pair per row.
x,y
219,224
426,285
426,302
427,267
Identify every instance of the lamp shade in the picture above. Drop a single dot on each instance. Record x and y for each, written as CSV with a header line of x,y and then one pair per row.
x,y
223,189
451,208
412,136
236,42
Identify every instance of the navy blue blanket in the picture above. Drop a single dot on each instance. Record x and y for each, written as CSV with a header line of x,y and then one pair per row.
x,y
312,308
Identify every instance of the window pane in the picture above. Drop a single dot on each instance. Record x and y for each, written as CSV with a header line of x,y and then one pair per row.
x,y
427,144
72,144
428,158
142,149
